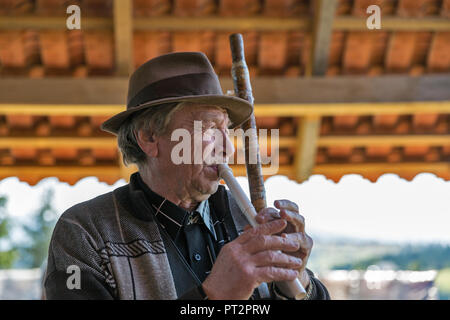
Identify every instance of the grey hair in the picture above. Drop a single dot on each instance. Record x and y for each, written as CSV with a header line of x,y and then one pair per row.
x,y
154,121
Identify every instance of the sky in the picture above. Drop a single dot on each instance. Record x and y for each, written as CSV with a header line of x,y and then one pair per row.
x,y
391,210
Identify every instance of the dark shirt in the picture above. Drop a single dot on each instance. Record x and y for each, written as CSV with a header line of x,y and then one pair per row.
x,y
198,235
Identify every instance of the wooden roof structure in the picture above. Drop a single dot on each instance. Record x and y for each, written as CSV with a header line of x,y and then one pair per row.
x,y
345,99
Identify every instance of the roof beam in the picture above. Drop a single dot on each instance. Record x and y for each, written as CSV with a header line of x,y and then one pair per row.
x,y
169,23
307,137
274,90
123,36
284,142
113,173
308,129
261,110
324,11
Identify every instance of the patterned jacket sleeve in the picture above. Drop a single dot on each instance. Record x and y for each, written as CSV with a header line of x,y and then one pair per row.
x,y
71,250
316,290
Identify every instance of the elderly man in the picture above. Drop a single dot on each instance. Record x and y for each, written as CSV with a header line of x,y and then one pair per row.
x,y
173,232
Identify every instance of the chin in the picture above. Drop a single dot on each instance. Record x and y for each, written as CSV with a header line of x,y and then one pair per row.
x,y
207,188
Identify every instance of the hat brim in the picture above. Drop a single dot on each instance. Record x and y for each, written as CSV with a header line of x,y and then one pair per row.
x,y
239,110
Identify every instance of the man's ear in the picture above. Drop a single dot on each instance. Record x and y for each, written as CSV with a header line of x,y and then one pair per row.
x,y
147,143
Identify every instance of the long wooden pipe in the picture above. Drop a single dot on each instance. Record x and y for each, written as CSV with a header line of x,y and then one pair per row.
x,y
243,90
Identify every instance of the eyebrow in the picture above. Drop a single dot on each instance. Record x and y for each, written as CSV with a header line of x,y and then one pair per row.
x,y
219,119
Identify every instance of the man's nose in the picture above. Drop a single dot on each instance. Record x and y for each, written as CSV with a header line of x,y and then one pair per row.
x,y
224,147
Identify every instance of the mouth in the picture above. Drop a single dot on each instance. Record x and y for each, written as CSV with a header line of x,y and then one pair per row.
x,y
213,170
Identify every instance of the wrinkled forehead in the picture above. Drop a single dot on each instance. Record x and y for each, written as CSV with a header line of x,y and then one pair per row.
x,y
206,113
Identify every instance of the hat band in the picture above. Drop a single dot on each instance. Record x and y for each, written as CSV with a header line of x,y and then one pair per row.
x,y
192,84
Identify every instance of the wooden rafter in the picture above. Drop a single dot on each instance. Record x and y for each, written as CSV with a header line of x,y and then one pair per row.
x,y
114,173
168,23
123,36
261,110
309,126
276,90
324,12
284,142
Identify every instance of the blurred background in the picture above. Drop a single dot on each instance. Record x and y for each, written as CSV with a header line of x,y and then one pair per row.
x,y
363,118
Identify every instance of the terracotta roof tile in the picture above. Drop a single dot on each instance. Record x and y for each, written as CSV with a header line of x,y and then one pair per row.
x,y
439,56
194,41
96,8
358,51
18,49
286,8
99,46
24,153
148,8
339,151
105,153
344,7
385,120
272,51
400,53
445,10
64,153
425,120
9,7
148,45
19,120
345,122
54,49
378,151
194,7
236,8
417,8
415,151
62,121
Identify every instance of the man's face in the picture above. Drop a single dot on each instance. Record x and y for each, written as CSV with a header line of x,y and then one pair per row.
x,y
208,128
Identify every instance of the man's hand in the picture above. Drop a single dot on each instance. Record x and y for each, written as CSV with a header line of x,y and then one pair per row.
x,y
294,231
256,256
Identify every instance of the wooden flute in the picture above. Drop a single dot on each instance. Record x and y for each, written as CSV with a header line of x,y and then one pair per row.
x,y
243,89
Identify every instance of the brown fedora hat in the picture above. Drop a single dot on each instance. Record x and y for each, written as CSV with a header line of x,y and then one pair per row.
x,y
177,77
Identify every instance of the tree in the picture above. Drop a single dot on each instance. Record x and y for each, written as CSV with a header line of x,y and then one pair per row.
x,y
39,231
9,255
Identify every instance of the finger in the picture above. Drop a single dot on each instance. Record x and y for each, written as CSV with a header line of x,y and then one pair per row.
x,y
266,215
293,217
277,259
267,242
269,274
286,204
268,228
305,242
247,227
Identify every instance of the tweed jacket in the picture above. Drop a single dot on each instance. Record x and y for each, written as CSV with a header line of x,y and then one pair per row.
x,y
121,252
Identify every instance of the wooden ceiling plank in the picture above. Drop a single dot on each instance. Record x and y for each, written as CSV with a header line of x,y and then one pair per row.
x,y
441,169
261,110
214,23
273,90
308,129
307,136
58,142
324,12
123,37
